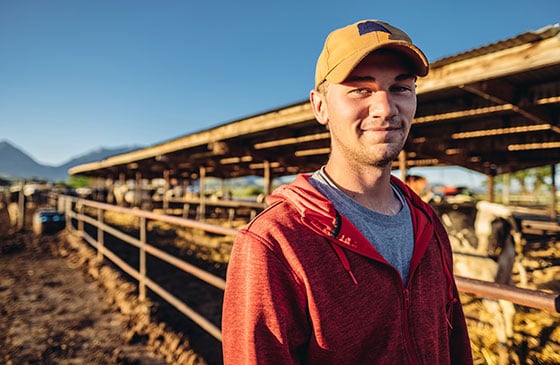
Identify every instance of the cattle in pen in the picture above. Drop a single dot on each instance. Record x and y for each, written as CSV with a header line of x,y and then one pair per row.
x,y
485,242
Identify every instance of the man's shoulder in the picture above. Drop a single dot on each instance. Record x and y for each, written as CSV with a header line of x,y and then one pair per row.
x,y
278,214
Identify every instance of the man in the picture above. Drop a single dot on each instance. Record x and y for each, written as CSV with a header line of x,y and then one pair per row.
x,y
348,265
420,185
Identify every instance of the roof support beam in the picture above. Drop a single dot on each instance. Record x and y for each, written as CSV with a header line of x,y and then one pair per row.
x,y
491,91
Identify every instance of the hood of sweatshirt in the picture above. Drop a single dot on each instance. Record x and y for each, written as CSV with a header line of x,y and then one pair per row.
x,y
318,213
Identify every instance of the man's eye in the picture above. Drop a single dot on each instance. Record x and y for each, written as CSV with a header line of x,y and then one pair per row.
x,y
401,88
362,91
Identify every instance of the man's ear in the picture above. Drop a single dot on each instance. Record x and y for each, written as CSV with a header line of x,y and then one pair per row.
x,y
319,106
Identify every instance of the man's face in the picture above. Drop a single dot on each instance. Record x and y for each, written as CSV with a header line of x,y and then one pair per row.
x,y
370,113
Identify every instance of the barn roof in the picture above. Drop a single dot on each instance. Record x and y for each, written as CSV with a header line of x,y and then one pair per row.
x,y
493,109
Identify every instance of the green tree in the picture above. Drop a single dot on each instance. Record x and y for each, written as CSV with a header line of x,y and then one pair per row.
x,y
521,177
78,181
541,174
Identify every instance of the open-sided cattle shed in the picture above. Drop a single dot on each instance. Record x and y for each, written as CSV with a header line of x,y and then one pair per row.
x,y
494,109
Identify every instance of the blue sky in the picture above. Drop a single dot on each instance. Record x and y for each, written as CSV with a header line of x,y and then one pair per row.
x,y
76,75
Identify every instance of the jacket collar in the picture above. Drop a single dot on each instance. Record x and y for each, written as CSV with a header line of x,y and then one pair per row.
x,y
318,213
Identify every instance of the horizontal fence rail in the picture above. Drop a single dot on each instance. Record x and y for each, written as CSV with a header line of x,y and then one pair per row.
x,y
74,209
525,297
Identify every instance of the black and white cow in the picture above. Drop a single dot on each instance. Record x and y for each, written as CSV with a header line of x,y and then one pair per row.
x,y
484,239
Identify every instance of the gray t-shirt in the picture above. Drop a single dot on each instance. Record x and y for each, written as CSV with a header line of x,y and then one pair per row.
x,y
391,235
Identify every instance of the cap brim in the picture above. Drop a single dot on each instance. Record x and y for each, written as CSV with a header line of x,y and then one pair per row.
x,y
418,60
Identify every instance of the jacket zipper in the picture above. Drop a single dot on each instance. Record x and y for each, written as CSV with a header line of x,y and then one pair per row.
x,y
409,348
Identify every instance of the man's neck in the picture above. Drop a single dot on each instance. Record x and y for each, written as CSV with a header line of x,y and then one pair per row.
x,y
370,186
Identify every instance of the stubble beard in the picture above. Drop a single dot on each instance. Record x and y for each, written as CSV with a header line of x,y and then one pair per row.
x,y
385,160
363,157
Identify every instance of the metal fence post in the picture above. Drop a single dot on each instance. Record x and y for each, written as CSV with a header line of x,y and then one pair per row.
x,y
21,207
100,234
80,210
67,210
142,268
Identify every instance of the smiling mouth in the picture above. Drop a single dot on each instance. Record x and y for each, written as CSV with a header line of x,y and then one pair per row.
x,y
381,126
378,129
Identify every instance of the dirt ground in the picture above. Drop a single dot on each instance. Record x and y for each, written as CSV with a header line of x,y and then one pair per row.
x,y
52,312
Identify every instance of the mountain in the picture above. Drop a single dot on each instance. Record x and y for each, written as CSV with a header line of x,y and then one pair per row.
x,y
97,155
16,164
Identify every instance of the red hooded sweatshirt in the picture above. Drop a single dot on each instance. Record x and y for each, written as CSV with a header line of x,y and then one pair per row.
x,y
304,286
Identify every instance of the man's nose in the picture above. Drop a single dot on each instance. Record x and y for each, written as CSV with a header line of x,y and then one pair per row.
x,y
382,105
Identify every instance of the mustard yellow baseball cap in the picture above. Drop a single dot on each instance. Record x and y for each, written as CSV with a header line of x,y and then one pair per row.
x,y
346,47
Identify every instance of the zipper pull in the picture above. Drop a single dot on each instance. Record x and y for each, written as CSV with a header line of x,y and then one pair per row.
x,y
406,295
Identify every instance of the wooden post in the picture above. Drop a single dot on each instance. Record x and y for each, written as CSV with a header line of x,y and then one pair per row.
x,y
138,190
21,207
491,188
100,235
67,210
166,185
201,189
506,188
267,178
99,189
122,182
185,183
553,211
142,268
80,211
402,164
110,185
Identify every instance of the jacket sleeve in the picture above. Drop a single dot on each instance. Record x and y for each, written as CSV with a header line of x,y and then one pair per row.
x,y
264,317
460,346
459,342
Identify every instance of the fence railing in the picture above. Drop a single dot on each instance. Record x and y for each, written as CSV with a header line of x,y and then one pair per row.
x,y
525,297
74,210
